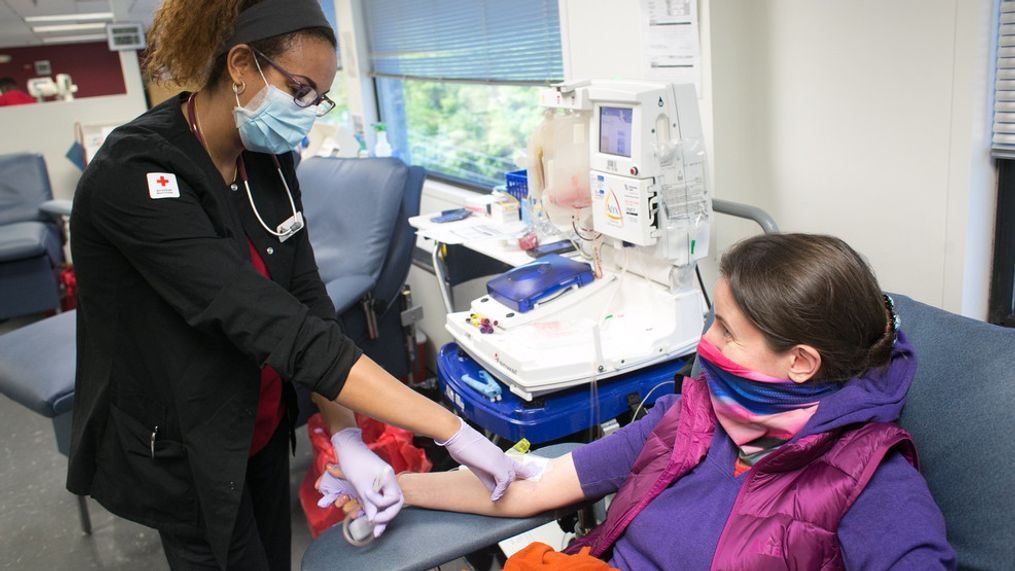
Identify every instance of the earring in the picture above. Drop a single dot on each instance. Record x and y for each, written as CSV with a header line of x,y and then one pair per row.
x,y
240,87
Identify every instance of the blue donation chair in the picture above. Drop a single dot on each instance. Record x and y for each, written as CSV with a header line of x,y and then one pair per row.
x,y
357,212
959,411
37,364
31,238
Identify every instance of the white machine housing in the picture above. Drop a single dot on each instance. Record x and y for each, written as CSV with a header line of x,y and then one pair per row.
x,y
645,150
650,201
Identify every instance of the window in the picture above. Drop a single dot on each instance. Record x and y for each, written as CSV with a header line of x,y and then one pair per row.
x,y
458,82
340,114
1002,289
1004,86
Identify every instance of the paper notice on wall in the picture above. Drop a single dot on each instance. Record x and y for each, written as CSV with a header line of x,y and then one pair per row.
x,y
672,44
91,138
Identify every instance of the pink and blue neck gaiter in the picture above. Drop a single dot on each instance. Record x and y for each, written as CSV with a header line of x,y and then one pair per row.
x,y
758,412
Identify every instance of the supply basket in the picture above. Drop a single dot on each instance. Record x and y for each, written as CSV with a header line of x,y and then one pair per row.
x,y
517,184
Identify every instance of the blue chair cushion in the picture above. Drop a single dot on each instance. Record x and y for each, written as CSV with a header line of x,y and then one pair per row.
x,y
959,411
403,240
348,288
22,240
37,364
351,206
24,185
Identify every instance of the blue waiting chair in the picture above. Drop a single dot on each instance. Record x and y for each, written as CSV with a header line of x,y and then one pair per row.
x,y
357,212
31,238
37,364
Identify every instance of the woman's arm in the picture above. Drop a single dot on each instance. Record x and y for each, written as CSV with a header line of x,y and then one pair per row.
x,y
336,417
370,390
895,524
461,491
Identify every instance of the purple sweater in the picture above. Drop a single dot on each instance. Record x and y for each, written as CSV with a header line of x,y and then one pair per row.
x,y
894,524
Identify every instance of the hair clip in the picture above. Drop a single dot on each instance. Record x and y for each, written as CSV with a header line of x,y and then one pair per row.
x,y
895,321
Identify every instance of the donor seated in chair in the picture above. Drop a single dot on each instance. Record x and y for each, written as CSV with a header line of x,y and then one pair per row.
x,y
783,453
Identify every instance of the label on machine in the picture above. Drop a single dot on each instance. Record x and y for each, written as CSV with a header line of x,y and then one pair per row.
x,y
624,208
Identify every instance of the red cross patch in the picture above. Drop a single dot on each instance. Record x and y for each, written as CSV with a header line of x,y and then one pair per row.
x,y
163,185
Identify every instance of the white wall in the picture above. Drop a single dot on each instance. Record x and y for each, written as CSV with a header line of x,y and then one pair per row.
x,y
48,128
867,120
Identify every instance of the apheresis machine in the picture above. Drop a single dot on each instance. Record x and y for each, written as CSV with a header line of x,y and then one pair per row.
x,y
619,169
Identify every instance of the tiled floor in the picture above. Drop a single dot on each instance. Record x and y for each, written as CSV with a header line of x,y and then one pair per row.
x,y
39,526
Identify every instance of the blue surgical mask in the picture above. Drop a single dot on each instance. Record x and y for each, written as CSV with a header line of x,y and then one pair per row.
x,y
271,122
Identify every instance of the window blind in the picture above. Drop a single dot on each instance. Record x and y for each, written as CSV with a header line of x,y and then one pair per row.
x,y
500,41
1004,86
328,7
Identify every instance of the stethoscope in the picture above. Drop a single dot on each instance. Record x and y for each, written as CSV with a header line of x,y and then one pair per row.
x,y
286,229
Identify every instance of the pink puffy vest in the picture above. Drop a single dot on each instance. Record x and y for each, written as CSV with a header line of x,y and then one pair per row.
x,y
790,504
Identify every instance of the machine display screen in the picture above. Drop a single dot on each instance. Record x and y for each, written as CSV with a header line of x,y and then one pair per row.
x,y
615,130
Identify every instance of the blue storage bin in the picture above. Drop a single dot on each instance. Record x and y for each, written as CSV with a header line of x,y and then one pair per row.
x,y
551,416
517,184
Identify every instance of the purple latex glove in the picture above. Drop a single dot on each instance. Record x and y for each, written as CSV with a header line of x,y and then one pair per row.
x,y
494,468
332,488
372,478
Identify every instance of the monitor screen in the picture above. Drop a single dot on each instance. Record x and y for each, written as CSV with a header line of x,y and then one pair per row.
x,y
615,130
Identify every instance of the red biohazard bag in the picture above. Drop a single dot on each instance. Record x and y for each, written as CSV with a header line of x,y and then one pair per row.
x,y
392,444
68,288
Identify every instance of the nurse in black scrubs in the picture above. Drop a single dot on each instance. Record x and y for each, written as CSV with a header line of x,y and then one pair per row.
x,y
200,304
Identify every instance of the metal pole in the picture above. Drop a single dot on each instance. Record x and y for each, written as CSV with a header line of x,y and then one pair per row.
x,y
442,281
747,211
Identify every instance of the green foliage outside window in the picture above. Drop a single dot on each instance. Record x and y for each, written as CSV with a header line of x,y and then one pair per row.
x,y
470,132
337,93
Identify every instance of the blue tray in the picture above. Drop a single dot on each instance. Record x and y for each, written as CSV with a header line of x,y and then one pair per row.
x,y
523,287
551,416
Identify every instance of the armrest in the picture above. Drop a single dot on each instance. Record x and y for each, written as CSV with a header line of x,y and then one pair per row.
x,y
423,539
56,208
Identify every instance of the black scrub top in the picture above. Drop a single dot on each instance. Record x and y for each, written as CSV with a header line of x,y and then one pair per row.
x,y
174,325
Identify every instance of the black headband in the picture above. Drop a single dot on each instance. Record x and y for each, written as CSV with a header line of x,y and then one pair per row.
x,y
276,17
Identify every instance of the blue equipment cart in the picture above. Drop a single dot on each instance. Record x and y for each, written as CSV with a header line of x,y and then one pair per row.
x,y
551,416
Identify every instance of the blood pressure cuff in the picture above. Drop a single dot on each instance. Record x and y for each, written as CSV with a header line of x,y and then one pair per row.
x,y
270,18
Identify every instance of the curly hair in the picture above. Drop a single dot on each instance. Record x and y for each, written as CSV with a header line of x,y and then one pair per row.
x,y
186,35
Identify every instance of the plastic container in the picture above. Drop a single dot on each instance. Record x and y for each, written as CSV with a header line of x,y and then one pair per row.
x,y
382,148
517,184
551,416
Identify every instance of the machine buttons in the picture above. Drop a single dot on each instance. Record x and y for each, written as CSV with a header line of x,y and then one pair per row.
x,y
634,171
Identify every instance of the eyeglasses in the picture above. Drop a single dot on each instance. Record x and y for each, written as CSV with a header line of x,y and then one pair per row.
x,y
305,95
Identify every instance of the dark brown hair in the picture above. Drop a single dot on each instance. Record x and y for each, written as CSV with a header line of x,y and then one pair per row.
x,y
813,290
186,35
